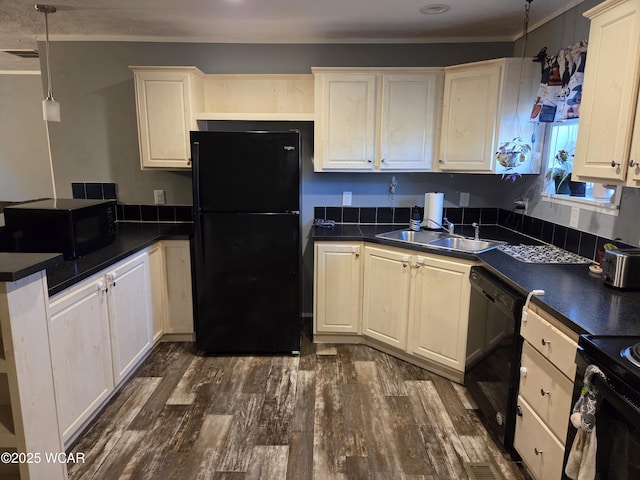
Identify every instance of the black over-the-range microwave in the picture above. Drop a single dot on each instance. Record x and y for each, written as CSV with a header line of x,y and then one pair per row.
x,y
73,227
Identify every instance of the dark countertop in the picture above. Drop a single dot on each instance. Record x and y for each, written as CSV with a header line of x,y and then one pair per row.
x,y
575,296
14,266
131,238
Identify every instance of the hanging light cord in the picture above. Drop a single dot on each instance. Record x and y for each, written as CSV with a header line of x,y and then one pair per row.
x,y
46,39
525,34
525,27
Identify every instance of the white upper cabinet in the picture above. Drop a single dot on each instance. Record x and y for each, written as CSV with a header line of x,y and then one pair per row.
x,y
410,117
376,119
166,100
479,109
604,151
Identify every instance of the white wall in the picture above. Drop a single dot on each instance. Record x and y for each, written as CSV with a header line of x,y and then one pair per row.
x,y
24,157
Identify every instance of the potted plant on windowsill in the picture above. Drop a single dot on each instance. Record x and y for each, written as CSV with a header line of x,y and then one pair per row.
x,y
560,171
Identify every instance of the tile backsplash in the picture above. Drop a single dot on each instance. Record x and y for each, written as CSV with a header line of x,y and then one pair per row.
x,y
575,241
132,213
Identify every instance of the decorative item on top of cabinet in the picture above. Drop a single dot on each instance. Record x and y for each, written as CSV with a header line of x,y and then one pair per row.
x,y
382,119
546,385
608,144
166,100
481,100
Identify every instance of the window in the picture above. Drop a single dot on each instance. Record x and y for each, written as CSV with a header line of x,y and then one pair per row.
x,y
559,149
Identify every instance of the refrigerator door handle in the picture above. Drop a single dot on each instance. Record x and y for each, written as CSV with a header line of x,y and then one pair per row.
x,y
195,157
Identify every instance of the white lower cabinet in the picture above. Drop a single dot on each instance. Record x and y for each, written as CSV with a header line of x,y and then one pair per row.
x,y
177,260
172,297
540,450
413,306
337,302
99,330
546,386
439,315
130,317
80,345
387,280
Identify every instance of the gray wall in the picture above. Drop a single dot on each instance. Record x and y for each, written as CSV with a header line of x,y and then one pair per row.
x,y
555,35
97,138
24,157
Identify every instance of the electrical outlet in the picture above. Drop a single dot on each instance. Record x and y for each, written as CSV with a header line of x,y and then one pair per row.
x,y
575,216
522,205
158,197
464,199
346,199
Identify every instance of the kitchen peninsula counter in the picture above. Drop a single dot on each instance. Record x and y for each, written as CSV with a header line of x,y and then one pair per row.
x,y
575,296
131,237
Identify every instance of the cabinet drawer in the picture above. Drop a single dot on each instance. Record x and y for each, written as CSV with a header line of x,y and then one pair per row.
x,y
546,390
554,345
539,448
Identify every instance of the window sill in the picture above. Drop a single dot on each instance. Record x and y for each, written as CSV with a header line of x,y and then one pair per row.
x,y
584,203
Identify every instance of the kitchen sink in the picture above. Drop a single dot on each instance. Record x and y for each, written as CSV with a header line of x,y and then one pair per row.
x,y
468,245
423,237
441,240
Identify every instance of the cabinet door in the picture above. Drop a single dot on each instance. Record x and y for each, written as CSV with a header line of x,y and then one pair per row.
x,y
345,126
337,287
546,389
633,174
158,276
130,314
409,119
440,311
80,354
609,95
179,317
540,450
387,279
469,115
164,108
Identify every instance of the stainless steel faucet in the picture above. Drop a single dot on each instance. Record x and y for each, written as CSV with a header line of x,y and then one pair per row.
x,y
450,226
476,235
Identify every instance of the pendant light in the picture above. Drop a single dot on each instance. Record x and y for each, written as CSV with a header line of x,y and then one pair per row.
x,y
50,108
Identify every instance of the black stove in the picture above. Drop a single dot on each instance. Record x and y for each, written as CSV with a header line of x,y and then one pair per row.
x,y
619,359
618,412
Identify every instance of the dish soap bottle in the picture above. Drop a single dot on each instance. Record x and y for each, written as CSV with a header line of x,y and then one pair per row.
x,y
414,223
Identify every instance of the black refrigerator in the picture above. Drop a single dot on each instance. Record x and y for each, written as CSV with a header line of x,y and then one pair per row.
x,y
246,245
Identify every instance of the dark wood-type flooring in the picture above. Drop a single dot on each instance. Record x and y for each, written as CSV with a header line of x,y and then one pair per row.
x,y
334,412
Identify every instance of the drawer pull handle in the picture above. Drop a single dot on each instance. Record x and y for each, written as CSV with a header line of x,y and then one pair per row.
x,y
615,164
538,452
544,392
633,163
545,342
523,371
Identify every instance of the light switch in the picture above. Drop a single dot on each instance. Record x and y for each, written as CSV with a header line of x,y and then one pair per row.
x,y
575,216
346,199
158,197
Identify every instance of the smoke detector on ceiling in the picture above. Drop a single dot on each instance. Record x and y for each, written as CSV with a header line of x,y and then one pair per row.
x,y
435,9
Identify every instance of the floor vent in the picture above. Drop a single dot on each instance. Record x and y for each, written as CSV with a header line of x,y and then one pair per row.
x,y
481,471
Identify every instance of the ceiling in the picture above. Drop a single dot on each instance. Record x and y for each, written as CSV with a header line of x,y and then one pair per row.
x,y
266,21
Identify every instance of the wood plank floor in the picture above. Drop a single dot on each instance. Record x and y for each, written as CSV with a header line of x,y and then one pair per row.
x,y
334,412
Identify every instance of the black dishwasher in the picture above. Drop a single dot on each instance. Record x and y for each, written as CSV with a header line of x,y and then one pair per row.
x,y
494,346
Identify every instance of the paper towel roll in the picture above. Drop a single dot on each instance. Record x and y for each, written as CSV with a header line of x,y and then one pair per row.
x,y
433,205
